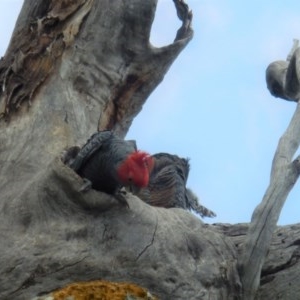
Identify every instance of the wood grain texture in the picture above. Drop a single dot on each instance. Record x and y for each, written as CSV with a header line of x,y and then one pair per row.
x,y
73,67
60,236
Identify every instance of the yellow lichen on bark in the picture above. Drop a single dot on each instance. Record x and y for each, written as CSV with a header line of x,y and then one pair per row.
x,y
102,290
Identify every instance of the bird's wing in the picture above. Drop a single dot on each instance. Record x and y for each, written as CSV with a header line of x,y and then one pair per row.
x,y
93,144
181,164
167,188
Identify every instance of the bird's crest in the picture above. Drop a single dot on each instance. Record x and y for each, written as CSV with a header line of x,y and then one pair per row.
x,y
136,169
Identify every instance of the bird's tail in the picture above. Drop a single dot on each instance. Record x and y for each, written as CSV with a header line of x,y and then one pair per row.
x,y
193,204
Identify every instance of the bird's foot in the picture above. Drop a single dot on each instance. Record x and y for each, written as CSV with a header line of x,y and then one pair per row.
x,y
121,196
87,185
68,155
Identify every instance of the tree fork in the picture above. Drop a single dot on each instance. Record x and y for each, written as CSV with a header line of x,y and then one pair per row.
x,y
284,174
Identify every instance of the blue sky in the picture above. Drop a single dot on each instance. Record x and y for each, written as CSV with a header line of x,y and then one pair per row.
x,y
213,105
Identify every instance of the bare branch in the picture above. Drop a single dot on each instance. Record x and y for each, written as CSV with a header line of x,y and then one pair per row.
x,y
186,16
295,46
285,173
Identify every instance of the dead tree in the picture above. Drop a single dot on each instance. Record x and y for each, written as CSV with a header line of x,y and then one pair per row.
x,y
74,67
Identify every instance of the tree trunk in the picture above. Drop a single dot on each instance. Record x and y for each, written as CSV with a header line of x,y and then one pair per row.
x,y
280,272
91,67
74,67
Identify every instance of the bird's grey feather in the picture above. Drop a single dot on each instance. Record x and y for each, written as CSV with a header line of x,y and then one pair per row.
x,y
99,158
167,185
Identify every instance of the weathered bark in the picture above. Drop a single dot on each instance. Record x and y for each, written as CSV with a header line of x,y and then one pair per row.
x,y
73,67
280,272
62,236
